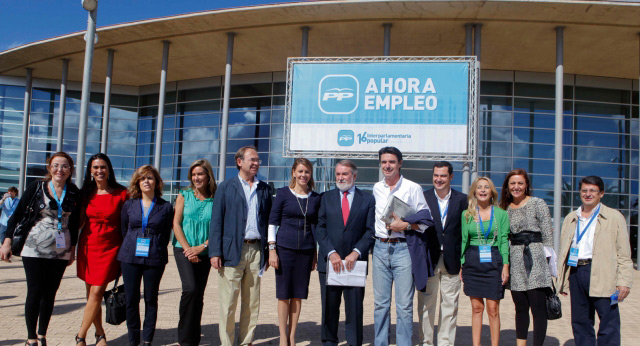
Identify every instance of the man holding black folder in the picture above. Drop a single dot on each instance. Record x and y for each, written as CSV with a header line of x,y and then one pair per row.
x,y
344,232
399,252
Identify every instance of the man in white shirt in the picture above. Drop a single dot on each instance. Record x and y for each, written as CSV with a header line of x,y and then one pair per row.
x,y
595,265
391,257
444,240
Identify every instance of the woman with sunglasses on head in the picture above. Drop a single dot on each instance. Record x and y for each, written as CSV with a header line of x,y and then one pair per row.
x,y
191,224
99,241
292,251
485,256
51,241
146,229
531,233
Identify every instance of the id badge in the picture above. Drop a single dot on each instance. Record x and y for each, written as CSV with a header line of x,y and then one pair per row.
x,y
142,247
573,257
61,243
614,297
485,253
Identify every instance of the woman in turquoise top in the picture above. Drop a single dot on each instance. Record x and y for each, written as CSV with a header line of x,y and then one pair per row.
x,y
485,256
191,239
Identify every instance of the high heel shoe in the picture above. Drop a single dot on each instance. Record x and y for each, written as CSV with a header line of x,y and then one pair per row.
x,y
27,343
100,338
43,341
80,340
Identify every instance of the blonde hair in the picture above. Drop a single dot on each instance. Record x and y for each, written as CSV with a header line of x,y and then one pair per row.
x,y
211,185
134,184
471,212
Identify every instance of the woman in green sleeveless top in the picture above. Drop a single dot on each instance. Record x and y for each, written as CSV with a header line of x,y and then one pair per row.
x,y
191,240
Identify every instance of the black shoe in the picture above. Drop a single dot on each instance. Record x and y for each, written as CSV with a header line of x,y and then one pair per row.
x,y
100,338
80,340
27,343
43,341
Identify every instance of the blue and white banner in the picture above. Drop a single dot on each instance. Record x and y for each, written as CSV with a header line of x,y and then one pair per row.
x,y
421,107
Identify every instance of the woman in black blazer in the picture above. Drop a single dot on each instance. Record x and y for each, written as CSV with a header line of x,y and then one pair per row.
x,y
146,229
295,212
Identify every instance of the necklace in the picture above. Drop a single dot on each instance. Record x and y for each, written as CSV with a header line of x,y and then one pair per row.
x,y
479,224
304,212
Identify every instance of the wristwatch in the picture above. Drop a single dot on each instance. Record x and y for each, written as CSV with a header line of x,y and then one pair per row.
x,y
408,227
206,246
272,247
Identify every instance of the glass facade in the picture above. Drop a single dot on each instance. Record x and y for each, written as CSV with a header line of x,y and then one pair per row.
x,y
517,119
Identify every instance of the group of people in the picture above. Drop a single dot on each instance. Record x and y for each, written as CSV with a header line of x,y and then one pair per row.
x,y
483,243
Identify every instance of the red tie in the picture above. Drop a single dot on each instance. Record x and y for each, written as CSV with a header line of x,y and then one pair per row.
x,y
345,207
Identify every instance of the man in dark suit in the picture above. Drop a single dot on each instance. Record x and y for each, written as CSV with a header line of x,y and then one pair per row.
x,y
345,233
237,245
443,244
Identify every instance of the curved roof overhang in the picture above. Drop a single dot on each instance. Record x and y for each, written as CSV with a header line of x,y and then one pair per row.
x,y
601,38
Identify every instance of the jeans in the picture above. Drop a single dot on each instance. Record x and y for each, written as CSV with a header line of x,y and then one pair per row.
x,y
133,274
392,262
3,230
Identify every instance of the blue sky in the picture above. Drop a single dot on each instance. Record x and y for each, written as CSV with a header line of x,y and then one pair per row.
x,y
24,21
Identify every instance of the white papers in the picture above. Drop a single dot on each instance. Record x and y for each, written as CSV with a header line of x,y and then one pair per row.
x,y
357,277
396,206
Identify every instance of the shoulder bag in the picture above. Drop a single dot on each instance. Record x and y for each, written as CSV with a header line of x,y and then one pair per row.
x,y
23,227
116,305
554,307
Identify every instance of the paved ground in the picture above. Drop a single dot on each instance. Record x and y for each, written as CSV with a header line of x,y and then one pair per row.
x,y
70,303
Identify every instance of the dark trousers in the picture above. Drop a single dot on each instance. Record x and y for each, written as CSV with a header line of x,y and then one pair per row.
x,y
132,275
43,279
583,308
536,301
331,298
194,278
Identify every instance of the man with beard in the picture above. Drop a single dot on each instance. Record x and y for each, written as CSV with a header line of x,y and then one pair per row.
x,y
345,233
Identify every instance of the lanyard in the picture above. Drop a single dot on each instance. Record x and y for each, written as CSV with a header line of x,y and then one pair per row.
x,y
443,215
145,216
13,203
59,201
485,234
579,235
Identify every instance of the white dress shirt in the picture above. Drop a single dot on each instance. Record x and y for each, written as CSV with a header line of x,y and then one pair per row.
x,y
585,247
407,191
443,204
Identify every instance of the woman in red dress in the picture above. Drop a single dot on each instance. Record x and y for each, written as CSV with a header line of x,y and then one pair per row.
x,y
99,241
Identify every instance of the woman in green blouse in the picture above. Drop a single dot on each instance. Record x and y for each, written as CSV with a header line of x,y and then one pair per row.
x,y
485,256
191,239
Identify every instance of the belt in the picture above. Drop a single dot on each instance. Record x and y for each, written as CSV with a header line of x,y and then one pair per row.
x,y
251,241
392,240
525,238
584,262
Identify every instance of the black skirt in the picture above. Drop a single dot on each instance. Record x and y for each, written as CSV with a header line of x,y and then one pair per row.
x,y
293,273
482,280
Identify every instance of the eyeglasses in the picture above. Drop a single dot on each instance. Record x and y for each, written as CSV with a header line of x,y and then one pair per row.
x,y
59,166
590,191
258,161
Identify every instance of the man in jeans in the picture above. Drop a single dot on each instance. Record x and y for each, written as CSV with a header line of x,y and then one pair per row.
x,y
391,255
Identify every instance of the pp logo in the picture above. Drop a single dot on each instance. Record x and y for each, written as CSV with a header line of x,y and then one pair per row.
x,y
345,138
338,94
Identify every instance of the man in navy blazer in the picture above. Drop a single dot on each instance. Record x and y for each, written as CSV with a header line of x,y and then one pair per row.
x,y
238,243
443,243
345,232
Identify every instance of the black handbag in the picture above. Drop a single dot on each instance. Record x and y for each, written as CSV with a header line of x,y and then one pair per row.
x,y
554,307
23,227
116,305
